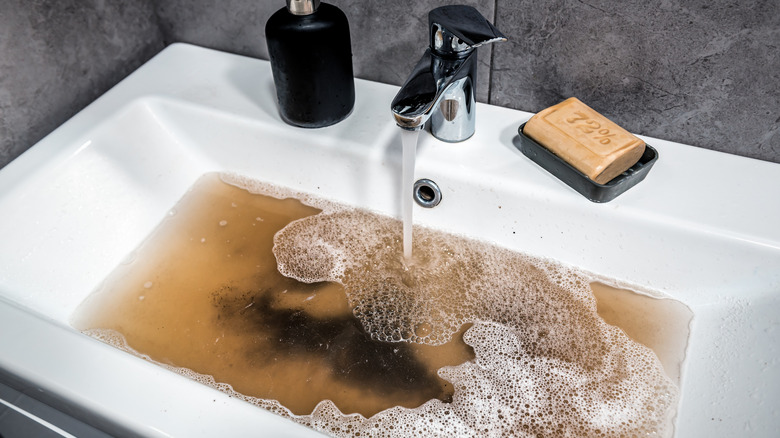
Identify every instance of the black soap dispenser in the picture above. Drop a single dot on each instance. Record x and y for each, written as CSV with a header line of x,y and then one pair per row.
x,y
311,58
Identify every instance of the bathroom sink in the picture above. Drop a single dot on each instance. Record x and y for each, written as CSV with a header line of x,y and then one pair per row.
x,y
702,228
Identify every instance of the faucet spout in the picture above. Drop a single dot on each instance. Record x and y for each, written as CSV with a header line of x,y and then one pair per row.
x,y
441,87
424,90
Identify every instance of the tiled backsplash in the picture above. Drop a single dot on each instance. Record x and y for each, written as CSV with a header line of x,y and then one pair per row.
x,y
58,56
700,72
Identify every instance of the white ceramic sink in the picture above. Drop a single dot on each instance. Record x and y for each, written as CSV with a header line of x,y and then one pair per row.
x,y
703,228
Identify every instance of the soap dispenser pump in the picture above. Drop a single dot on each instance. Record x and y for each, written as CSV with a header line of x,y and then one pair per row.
x,y
311,58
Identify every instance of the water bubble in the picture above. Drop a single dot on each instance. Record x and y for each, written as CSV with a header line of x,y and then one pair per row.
x,y
422,329
129,259
536,333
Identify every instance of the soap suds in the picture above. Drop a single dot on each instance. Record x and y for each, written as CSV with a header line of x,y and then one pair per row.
x,y
546,364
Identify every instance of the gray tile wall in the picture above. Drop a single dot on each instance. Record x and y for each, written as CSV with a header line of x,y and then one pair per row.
x,y
57,56
700,72
388,37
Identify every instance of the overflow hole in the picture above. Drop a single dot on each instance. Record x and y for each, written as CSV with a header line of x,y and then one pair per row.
x,y
426,193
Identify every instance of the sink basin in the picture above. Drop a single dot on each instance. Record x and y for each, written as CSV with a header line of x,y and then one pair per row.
x,y
702,228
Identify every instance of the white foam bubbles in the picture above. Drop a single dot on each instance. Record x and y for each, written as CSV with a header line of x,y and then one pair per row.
x,y
545,363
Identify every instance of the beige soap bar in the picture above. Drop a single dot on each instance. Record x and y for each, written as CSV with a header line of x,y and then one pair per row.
x,y
582,137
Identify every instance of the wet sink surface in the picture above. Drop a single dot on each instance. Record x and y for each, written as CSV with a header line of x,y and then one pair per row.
x,y
76,204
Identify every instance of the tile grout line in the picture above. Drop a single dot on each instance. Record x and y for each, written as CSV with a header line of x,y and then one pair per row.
x,y
492,56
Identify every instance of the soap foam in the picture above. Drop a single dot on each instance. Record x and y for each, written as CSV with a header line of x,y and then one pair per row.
x,y
263,188
546,364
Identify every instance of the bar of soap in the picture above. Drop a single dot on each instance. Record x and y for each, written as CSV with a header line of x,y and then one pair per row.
x,y
587,140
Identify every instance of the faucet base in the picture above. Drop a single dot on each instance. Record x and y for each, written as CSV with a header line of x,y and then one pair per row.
x,y
454,120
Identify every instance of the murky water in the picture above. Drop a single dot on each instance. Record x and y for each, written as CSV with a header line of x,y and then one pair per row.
x,y
312,311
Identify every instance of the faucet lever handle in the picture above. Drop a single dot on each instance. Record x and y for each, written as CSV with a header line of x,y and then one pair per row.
x,y
458,29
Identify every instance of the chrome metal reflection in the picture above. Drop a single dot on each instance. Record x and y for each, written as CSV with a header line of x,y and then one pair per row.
x,y
303,7
426,193
441,88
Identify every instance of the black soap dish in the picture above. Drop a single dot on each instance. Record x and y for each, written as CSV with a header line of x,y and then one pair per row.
x,y
579,181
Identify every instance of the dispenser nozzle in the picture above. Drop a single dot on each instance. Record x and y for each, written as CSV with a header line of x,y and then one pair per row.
x,y
302,7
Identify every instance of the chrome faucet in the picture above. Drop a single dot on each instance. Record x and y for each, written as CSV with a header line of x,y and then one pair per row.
x,y
442,87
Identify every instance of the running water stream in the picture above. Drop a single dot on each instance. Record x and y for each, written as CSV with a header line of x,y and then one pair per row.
x,y
409,140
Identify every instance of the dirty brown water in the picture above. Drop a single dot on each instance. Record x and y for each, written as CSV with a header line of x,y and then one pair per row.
x,y
467,337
